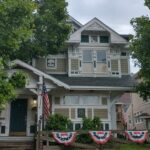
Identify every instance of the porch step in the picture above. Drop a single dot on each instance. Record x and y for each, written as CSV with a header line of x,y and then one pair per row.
x,y
16,145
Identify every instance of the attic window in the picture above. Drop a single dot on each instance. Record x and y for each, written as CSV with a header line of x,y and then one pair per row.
x,y
94,39
84,38
104,39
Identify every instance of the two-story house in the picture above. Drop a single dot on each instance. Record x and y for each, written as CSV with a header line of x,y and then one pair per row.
x,y
84,81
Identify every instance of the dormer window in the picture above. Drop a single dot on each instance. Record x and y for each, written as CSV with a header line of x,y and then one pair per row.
x,y
84,38
104,39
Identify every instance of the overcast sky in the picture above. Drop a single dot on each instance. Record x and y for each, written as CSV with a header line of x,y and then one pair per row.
x,y
114,13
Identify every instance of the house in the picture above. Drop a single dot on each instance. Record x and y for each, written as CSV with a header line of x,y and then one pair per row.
x,y
84,81
138,113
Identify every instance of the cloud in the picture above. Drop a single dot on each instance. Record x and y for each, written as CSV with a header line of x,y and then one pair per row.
x,y
115,13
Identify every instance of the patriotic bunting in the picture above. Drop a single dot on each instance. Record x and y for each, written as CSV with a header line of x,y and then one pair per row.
x,y
66,138
100,137
137,136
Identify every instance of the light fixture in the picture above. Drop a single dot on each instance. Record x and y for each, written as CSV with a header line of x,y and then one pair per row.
x,y
34,104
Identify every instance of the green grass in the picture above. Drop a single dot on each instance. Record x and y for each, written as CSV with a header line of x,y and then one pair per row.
x,y
133,147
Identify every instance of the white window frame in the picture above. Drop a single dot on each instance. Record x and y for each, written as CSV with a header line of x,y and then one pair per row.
x,y
51,67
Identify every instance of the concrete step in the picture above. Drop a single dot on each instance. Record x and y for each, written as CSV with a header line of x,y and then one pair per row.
x,y
16,145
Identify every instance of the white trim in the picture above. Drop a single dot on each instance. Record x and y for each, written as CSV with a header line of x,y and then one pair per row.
x,y
40,73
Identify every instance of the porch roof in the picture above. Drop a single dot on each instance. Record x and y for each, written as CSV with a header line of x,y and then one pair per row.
x,y
126,82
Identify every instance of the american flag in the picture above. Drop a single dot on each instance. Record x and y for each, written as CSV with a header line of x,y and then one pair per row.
x,y
46,102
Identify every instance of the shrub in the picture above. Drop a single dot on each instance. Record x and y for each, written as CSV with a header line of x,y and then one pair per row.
x,y
57,122
89,124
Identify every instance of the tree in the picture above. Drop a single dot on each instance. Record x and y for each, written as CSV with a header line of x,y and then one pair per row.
x,y
140,47
16,25
29,28
51,29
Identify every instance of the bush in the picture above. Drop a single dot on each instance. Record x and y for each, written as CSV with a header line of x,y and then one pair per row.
x,y
57,122
89,124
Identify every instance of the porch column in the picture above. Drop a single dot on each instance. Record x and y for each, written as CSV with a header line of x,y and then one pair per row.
x,y
40,100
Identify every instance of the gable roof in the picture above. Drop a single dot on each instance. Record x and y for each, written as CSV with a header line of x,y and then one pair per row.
x,y
75,21
115,37
40,73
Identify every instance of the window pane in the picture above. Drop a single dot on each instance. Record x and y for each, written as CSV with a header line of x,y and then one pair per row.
x,y
106,126
87,56
84,38
94,39
81,112
104,39
71,100
104,100
101,56
77,126
90,100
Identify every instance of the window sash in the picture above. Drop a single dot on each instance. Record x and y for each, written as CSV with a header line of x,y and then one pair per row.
x,y
87,56
84,39
104,39
101,56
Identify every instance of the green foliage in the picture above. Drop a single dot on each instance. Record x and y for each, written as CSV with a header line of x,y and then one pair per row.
x,y
16,25
51,30
140,47
57,122
18,79
89,124
7,92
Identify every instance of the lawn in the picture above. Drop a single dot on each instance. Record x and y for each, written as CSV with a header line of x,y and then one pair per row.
x,y
133,147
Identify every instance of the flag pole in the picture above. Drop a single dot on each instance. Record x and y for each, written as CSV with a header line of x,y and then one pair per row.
x,y
43,124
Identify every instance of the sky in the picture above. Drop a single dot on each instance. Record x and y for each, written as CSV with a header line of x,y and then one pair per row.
x,y
114,13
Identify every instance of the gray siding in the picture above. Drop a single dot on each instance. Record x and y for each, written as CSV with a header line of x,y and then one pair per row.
x,y
61,65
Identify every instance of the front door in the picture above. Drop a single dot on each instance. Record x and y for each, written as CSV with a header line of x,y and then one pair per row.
x,y
18,117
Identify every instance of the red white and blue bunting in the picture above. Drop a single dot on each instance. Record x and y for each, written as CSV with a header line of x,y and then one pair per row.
x,y
66,138
137,136
100,137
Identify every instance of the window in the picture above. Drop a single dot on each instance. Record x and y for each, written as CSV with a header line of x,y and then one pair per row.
x,y
123,53
106,126
87,56
77,126
94,39
81,112
71,100
90,100
104,101
101,56
51,62
104,39
57,100
3,128
84,38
